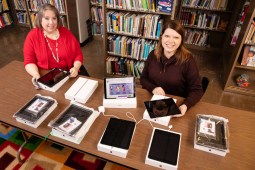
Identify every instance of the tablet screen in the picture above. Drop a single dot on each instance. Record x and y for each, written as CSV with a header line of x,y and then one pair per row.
x,y
162,107
122,87
165,147
53,77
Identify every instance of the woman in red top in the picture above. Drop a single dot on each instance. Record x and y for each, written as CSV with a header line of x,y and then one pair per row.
x,y
171,69
51,46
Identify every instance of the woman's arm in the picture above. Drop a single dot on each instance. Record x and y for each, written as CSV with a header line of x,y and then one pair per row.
x,y
32,69
75,69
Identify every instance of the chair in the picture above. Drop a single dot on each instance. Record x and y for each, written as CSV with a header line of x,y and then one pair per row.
x,y
205,82
83,71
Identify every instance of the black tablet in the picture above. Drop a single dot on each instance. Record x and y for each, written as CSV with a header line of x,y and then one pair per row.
x,y
118,133
53,77
165,147
161,108
121,87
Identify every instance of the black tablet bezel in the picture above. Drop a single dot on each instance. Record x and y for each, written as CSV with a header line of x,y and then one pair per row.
x,y
172,108
165,147
54,72
106,96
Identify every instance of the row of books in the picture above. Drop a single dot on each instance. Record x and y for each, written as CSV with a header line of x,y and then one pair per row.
x,y
196,37
142,5
19,5
5,19
97,14
250,38
146,25
200,19
34,5
208,4
97,28
3,5
136,48
124,66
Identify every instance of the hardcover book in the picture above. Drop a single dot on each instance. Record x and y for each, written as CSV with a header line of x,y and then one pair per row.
x,y
165,5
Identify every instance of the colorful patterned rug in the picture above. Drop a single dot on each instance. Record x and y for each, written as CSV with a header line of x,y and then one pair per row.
x,y
44,155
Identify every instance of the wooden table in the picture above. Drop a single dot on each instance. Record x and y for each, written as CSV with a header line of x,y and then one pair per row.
x,y
17,89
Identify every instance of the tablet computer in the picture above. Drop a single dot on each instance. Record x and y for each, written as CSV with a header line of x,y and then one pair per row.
x,y
53,77
165,147
161,108
120,87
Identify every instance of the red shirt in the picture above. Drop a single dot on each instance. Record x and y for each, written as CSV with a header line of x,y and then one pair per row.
x,y
37,51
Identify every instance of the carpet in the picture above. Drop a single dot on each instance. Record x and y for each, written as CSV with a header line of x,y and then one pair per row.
x,y
44,155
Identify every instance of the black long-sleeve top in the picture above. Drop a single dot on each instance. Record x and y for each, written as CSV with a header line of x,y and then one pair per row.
x,y
179,80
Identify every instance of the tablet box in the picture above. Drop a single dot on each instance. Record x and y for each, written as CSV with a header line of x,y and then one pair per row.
x,y
211,134
36,110
117,137
120,103
81,119
164,149
53,80
161,120
81,90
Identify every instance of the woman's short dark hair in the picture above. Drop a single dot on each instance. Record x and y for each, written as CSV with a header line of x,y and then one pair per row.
x,y
182,53
40,14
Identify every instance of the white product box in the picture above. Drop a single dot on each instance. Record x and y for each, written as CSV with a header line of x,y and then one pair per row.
x,y
164,149
36,110
210,133
81,90
161,120
108,138
120,103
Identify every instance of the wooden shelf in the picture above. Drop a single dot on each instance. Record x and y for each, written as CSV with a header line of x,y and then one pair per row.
x,y
237,69
240,90
238,65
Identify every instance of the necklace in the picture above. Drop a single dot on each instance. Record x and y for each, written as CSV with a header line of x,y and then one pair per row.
x,y
55,57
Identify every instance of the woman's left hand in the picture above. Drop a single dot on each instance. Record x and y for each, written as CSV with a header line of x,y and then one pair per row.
x,y
74,72
183,109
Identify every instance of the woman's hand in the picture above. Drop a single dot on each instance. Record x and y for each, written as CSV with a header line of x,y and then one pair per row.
x,y
34,80
183,109
73,72
158,91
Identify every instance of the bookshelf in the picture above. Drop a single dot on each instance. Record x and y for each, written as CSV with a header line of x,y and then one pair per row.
x,y
207,23
236,67
5,14
96,17
132,29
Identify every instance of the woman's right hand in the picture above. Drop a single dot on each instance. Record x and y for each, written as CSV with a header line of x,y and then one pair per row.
x,y
34,80
159,91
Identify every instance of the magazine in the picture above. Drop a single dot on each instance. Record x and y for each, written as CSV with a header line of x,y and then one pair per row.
x,y
248,56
